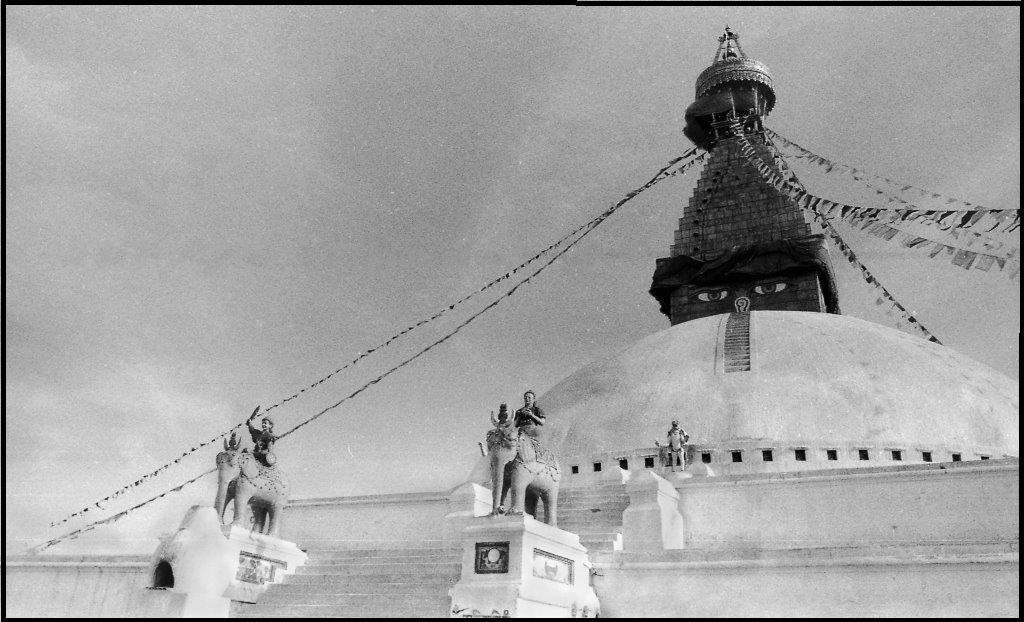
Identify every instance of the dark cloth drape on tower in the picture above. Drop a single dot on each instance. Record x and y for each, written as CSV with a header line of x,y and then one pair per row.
x,y
751,261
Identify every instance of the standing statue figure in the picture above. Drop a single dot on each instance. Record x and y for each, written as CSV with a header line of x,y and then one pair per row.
x,y
257,486
677,446
520,463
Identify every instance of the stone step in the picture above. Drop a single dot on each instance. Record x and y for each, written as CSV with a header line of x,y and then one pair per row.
x,y
365,586
590,504
598,547
588,531
355,553
424,608
588,512
582,525
391,559
374,545
590,522
364,600
391,570
323,578
591,501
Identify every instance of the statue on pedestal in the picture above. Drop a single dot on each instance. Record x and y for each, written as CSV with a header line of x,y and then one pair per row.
x,y
252,480
520,463
676,446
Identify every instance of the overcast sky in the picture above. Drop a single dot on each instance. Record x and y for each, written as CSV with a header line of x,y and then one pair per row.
x,y
210,208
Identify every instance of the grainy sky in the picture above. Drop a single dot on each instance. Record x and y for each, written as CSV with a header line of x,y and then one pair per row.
x,y
210,208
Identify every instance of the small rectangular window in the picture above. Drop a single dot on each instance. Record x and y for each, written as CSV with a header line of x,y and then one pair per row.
x,y
597,467
737,456
863,454
575,469
800,454
648,462
766,455
705,457
926,456
956,457
831,454
897,454
624,464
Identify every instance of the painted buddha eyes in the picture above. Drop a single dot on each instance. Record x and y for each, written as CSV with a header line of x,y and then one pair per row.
x,y
771,288
711,296
714,295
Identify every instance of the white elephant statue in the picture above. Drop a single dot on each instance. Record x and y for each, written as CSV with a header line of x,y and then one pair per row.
x,y
254,487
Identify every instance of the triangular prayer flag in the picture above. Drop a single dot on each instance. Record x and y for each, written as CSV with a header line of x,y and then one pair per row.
x,y
964,259
984,262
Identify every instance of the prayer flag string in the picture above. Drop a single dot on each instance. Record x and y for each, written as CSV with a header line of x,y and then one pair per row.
x,y
955,213
673,169
878,222
810,203
955,223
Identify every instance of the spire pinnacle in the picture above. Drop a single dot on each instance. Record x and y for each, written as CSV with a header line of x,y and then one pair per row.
x,y
729,46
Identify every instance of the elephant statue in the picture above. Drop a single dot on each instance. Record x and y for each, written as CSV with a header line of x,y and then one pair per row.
x,y
519,463
253,486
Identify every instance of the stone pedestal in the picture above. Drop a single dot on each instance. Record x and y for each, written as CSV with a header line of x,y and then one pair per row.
x,y
652,522
516,566
212,564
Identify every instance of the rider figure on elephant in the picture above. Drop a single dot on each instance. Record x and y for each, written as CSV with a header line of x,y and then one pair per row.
x,y
263,438
530,416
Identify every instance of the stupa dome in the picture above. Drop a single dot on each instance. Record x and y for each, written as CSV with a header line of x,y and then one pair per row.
x,y
821,381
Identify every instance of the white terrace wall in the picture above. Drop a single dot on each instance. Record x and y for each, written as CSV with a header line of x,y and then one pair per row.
x,y
335,521
923,540
969,588
961,502
86,587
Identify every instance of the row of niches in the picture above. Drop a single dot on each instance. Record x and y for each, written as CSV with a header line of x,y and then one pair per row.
x,y
773,458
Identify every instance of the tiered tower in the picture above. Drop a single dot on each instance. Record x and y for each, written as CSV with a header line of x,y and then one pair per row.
x,y
740,245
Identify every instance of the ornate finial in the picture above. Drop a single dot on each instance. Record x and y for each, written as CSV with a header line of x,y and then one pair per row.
x,y
729,46
732,65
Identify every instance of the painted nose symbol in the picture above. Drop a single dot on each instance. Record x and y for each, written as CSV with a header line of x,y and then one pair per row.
x,y
743,304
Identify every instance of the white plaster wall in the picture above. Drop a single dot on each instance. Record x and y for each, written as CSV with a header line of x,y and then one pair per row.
x,y
968,502
98,586
925,589
338,521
